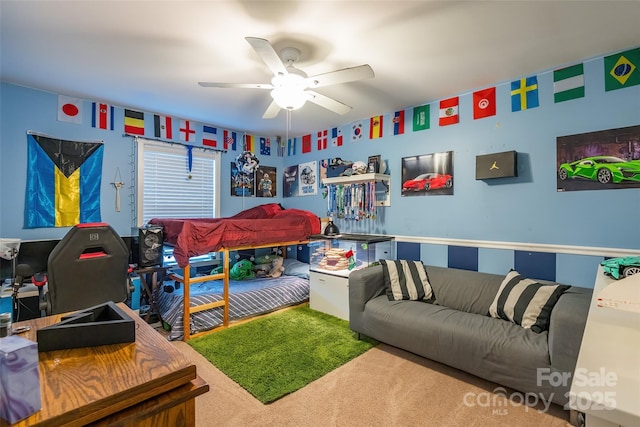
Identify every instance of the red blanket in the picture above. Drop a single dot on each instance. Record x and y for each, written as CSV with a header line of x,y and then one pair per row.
x,y
261,225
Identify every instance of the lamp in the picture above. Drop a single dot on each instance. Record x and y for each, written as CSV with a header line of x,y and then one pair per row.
x,y
9,250
288,90
331,229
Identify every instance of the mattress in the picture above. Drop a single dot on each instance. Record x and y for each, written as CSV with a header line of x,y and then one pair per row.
x,y
246,298
260,225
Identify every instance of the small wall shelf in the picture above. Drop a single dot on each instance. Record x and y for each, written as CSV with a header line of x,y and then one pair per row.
x,y
365,177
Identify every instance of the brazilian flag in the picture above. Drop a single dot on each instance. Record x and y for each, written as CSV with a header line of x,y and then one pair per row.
x,y
63,182
622,70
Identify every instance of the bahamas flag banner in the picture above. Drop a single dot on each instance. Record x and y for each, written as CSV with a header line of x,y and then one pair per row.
x,y
63,182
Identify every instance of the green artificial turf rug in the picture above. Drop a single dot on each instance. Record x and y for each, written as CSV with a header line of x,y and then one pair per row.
x,y
278,354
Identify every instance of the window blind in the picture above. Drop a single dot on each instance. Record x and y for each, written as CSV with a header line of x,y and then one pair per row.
x,y
169,190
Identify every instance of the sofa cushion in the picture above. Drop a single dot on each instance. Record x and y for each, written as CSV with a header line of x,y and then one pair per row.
x,y
464,290
525,302
493,349
406,280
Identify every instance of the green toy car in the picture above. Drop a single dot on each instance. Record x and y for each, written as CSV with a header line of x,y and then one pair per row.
x,y
621,267
604,169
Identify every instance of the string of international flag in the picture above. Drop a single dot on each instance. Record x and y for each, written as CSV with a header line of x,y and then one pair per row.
x,y
620,71
164,127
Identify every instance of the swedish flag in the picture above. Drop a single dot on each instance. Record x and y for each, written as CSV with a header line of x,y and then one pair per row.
x,y
63,182
524,94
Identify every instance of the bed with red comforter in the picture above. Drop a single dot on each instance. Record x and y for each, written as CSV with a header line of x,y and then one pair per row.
x,y
262,226
257,226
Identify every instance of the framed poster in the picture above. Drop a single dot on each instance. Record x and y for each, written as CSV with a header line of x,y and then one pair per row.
x,y
308,175
266,181
290,181
428,174
603,160
242,184
373,164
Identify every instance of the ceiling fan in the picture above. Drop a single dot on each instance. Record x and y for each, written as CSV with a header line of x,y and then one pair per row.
x,y
290,86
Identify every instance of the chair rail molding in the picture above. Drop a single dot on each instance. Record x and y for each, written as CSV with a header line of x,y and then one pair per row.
x,y
519,246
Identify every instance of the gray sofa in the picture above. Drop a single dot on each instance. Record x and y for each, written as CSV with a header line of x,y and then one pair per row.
x,y
456,330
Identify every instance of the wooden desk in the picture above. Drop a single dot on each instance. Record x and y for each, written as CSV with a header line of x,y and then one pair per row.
x,y
144,383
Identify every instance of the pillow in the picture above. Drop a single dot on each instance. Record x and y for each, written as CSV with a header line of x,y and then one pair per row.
x,y
259,212
406,280
264,259
293,267
525,302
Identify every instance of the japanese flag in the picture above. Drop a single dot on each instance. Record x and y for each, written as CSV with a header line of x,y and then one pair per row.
x,y
69,109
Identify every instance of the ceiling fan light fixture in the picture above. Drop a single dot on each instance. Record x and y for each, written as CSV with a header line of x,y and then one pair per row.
x,y
290,85
290,99
288,90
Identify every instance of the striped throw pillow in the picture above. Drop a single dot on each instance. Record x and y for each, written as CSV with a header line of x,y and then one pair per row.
x,y
525,302
406,280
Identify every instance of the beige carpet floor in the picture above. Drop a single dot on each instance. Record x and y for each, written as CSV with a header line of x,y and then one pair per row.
x,y
383,387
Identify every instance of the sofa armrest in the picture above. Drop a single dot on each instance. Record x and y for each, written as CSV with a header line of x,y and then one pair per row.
x,y
568,320
364,284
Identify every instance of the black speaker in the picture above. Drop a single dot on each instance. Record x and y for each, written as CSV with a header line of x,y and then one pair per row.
x,y
150,241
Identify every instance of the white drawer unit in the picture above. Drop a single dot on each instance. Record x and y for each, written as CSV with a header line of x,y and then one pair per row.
x,y
329,294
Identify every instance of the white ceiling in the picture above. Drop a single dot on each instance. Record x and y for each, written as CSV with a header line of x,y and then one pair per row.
x,y
149,55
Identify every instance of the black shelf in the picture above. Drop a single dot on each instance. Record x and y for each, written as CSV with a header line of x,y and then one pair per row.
x,y
365,238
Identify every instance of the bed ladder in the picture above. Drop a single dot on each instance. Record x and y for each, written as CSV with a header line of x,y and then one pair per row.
x,y
187,310
187,280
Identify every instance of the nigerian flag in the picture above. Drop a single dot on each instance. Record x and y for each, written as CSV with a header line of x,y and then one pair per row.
x,y
63,182
568,83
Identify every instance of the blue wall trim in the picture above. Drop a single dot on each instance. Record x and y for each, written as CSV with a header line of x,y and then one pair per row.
x,y
536,265
463,257
408,250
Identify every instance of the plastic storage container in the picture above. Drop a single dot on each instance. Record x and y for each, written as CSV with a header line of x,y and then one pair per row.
x,y
342,254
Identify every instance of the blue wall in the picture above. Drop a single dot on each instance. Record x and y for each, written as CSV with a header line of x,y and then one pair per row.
x,y
522,210
25,109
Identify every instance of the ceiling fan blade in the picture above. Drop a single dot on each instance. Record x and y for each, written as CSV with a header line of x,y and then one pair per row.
x,y
237,85
328,103
264,49
272,111
345,75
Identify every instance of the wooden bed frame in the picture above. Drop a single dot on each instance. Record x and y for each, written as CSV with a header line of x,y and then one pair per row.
x,y
187,280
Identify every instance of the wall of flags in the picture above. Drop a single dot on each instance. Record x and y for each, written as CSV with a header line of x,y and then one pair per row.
x,y
164,127
618,71
525,114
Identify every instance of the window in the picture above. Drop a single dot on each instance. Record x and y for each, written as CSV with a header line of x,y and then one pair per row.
x,y
166,188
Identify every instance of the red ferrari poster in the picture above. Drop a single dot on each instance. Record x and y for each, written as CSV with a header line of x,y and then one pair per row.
x,y
428,174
